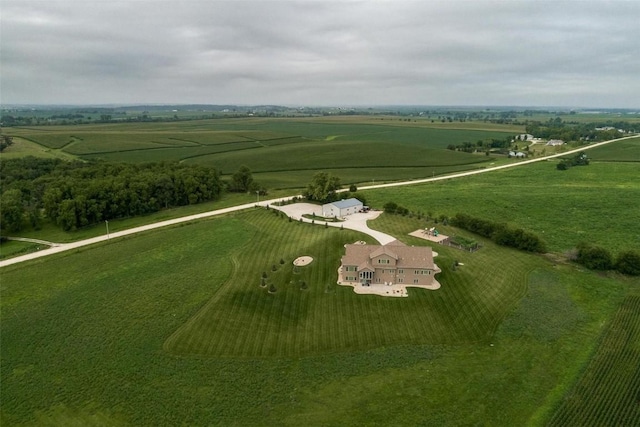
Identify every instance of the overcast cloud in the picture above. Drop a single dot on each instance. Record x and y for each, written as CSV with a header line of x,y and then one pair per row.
x,y
527,53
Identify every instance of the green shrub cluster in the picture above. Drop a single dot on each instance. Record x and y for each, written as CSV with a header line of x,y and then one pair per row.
x,y
500,233
598,258
394,208
580,160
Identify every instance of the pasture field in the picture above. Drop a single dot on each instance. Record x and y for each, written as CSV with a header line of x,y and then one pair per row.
x,y
23,147
599,203
621,151
82,341
278,146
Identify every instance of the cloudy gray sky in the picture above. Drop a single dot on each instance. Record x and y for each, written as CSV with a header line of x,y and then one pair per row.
x,y
528,53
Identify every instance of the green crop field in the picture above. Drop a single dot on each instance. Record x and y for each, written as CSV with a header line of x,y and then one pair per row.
x,y
276,147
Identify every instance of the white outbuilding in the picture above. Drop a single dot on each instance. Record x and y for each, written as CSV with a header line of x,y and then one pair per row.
x,y
341,208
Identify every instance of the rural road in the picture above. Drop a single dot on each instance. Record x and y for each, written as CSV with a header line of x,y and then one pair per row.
x,y
57,248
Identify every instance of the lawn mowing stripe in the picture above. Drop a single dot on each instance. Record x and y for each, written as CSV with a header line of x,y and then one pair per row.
x,y
255,323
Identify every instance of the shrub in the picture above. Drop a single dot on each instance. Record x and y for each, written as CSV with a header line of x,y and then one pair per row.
x,y
281,261
594,257
390,207
628,262
274,267
272,288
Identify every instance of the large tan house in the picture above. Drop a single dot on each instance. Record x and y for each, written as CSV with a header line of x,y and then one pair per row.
x,y
394,263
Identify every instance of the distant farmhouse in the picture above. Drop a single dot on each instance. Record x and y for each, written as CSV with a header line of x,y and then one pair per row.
x,y
518,154
524,137
342,208
555,142
394,263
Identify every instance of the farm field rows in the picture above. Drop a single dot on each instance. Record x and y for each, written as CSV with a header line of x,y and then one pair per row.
x,y
276,147
608,392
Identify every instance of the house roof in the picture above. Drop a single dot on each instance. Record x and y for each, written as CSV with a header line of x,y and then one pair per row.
x,y
347,203
383,250
406,256
555,142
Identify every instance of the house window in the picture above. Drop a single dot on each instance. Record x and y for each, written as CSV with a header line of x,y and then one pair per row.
x,y
400,271
416,272
383,261
415,280
400,280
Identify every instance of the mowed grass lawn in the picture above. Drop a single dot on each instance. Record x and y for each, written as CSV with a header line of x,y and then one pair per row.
x,y
172,327
244,320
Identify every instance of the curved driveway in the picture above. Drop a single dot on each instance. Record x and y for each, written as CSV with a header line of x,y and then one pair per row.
x,y
378,236
357,221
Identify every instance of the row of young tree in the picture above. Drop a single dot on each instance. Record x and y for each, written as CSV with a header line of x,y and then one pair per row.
x,y
500,233
77,194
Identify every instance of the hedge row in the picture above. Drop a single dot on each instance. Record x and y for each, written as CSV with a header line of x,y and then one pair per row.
x,y
500,233
598,258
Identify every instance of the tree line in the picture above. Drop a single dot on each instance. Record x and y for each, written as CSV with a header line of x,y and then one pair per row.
x,y
77,194
500,233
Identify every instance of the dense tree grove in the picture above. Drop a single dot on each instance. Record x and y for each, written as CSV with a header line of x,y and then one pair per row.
x,y
499,145
77,194
500,233
569,131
